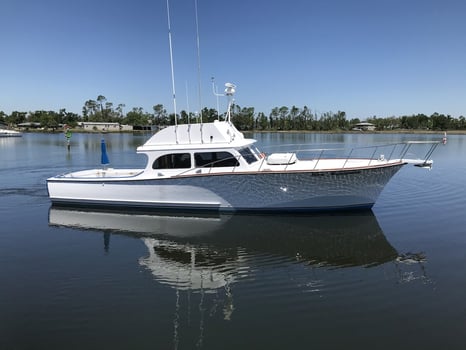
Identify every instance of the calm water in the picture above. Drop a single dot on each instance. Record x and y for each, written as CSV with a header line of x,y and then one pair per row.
x,y
393,277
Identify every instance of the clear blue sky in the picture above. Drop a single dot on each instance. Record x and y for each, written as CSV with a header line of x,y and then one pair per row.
x,y
364,57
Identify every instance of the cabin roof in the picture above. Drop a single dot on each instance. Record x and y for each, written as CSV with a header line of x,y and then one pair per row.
x,y
206,135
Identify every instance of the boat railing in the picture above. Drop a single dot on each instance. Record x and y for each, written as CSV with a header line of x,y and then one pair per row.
x,y
375,153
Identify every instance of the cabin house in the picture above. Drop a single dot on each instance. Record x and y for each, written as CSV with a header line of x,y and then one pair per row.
x,y
105,126
29,125
364,126
100,126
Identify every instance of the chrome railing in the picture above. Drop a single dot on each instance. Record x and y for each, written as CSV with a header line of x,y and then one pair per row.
x,y
386,152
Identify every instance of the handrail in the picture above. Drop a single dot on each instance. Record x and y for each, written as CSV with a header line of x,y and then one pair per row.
x,y
392,148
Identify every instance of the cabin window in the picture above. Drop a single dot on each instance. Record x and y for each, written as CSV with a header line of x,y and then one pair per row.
x,y
248,155
215,159
173,161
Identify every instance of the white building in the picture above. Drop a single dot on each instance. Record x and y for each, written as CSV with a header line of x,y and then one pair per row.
x,y
104,126
364,126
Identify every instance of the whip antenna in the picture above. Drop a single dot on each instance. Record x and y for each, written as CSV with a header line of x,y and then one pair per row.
x,y
172,70
198,61
217,95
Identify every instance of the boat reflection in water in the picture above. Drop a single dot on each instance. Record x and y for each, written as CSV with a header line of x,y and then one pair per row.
x,y
185,248
202,257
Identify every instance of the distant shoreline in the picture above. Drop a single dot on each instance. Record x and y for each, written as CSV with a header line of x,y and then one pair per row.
x,y
398,131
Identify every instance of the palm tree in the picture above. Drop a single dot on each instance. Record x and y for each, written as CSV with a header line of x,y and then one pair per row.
x,y
101,99
120,110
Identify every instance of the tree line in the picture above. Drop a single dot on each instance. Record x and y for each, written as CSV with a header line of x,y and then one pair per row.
x,y
245,118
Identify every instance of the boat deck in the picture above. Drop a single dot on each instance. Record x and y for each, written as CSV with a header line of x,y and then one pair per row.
x,y
102,173
260,166
275,162
327,164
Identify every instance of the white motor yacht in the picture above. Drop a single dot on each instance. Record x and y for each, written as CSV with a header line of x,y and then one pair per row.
x,y
212,166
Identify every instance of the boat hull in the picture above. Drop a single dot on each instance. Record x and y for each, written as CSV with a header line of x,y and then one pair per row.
x,y
258,191
10,133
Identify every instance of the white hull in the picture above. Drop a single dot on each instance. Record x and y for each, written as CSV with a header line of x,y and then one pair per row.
x,y
259,191
9,133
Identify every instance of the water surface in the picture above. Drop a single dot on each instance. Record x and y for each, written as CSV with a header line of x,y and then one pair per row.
x,y
388,278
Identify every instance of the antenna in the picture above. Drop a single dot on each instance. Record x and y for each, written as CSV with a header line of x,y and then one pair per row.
x,y
198,61
230,90
189,117
172,70
187,102
215,91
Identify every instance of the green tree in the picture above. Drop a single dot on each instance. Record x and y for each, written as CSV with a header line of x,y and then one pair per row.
x,y
89,110
304,119
16,118
3,117
340,120
440,121
243,118
68,118
101,100
160,115
262,122
109,114
461,123
273,117
283,118
119,110
293,118
137,116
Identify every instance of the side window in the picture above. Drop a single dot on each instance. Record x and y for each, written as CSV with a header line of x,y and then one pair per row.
x,y
248,155
215,159
173,161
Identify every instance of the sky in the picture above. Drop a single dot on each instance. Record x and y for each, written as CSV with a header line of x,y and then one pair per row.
x,y
365,57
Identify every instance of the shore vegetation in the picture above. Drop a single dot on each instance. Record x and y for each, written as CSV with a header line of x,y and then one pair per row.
x,y
245,118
